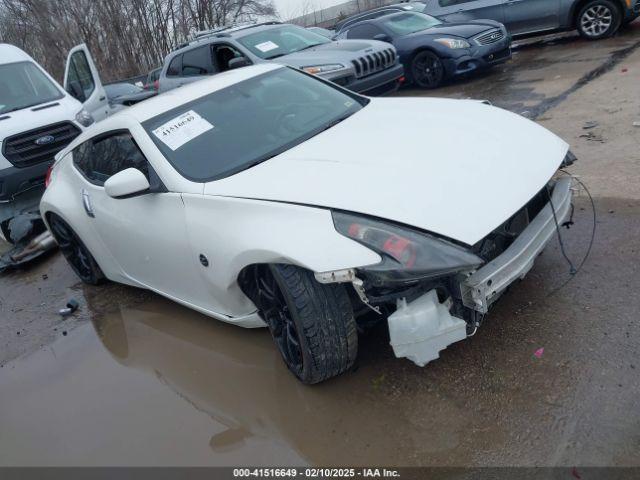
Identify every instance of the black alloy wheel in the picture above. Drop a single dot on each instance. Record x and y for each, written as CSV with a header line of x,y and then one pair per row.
x,y
312,324
277,315
427,70
76,253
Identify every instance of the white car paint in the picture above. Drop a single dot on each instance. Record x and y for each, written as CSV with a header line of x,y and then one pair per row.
x,y
96,103
398,167
469,166
26,119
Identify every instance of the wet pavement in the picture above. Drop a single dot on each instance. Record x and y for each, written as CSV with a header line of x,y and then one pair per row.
x,y
134,379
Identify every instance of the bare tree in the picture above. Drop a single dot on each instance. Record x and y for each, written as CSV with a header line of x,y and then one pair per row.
x,y
126,37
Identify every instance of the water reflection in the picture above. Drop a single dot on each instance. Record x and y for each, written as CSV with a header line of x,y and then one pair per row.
x,y
237,377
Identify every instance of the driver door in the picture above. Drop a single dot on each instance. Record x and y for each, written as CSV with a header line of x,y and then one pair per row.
x,y
145,234
82,81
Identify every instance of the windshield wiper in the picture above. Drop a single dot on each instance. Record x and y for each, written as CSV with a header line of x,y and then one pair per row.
x,y
14,109
336,122
276,56
310,46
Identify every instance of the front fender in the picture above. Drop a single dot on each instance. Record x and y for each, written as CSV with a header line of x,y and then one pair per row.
x,y
236,232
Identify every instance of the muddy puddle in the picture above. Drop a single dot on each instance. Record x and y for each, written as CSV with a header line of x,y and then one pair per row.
x,y
158,384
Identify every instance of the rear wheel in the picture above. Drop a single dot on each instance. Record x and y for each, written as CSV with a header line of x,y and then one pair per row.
x,y
76,253
598,19
427,70
312,324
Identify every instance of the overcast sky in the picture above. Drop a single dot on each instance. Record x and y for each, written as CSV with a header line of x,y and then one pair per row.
x,y
286,8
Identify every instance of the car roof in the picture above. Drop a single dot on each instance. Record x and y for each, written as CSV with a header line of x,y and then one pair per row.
x,y
231,32
12,54
179,96
362,16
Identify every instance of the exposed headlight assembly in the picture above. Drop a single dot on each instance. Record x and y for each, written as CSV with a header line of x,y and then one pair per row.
x,y
84,118
319,69
408,255
454,43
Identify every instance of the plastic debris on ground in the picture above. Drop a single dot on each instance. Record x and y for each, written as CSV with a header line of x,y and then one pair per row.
x,y
30,240
538,353
72,306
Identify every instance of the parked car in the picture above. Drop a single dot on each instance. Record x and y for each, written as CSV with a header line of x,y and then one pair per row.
x,y
433,51
122,95
38,118
369,66
152,81
594,19
268,196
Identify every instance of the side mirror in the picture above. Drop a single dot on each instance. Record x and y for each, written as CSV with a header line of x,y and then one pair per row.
x,y
383,37
126,183
238,63
75,90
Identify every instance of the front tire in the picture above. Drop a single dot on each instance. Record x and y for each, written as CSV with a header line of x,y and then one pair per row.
x,y
75,251
427,70
598,19
312,324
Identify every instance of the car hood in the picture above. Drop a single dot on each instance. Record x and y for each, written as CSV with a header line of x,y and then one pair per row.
x,y
30,118
456,168
333,52
464,30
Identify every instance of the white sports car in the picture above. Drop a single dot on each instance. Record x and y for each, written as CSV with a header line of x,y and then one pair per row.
x,y
265,196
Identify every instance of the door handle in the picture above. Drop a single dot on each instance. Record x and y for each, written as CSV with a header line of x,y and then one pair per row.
x,y
86,202
102,99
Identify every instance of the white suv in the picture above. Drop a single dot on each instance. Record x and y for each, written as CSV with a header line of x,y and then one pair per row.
x,y
38,118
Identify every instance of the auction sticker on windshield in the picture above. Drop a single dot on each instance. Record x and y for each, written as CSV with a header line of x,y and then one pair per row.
x,y
267,46
180,130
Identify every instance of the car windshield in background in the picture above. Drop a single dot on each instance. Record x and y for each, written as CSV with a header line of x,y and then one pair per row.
x,y
280,41
24,85
241,126
118,89
409,22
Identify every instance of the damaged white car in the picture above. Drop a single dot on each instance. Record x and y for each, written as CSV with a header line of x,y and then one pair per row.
x,y
265,196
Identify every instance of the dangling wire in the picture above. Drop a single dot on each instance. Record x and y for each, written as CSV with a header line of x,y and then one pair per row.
x,y
591,241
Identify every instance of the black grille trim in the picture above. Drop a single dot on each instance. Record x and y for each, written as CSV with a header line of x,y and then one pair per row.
x,y
22,151
374,63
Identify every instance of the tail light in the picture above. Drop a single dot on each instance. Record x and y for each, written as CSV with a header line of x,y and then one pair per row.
x,y
156,85
47,177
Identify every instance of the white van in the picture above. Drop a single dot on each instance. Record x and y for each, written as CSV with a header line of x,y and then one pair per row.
x,y
38,118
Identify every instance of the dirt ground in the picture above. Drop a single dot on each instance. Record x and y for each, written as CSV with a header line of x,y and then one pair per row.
x,y
134,379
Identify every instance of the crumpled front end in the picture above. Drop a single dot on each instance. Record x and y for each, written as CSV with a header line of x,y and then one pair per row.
x,y
427,310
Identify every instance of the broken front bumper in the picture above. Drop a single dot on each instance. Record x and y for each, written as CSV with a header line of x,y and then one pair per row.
x,y
484,286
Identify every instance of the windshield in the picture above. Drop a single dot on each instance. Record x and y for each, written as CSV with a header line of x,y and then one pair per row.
x,y
240,126
409,22
118,89
24,85
276,42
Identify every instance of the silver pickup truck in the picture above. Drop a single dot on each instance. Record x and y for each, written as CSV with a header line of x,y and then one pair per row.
x,y
364,66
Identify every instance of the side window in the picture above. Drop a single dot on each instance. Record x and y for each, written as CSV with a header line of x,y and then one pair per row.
x,y
223,54
80,80
366,30
175,67
197,62
100,158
